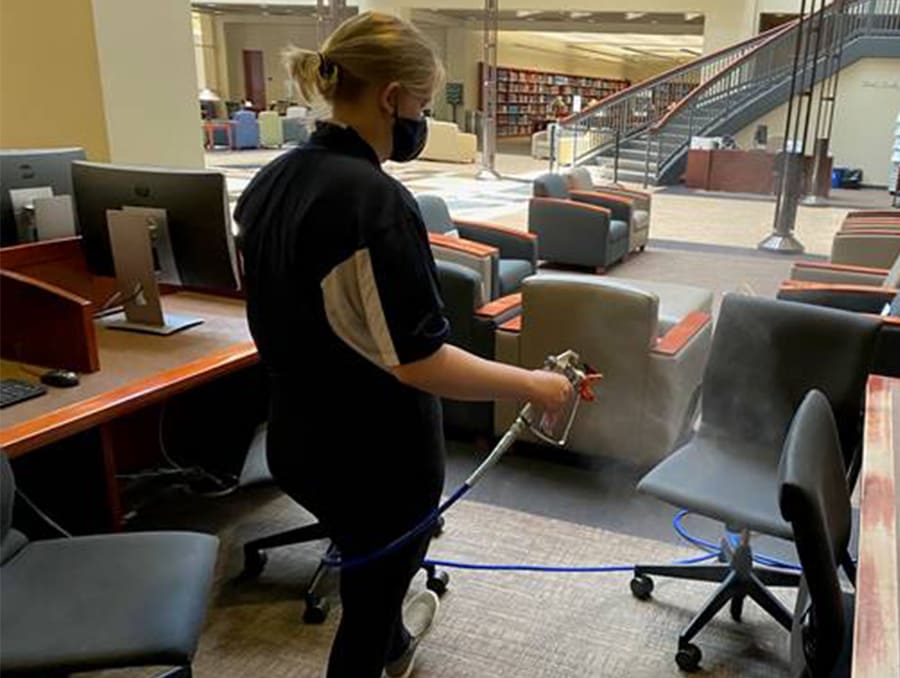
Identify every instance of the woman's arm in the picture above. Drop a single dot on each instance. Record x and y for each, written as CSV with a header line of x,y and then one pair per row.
x,y
451,372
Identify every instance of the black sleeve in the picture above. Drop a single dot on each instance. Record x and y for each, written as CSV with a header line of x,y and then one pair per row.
x,y
406,287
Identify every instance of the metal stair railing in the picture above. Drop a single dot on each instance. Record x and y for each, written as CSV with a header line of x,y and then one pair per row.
x,y
755,74
625,114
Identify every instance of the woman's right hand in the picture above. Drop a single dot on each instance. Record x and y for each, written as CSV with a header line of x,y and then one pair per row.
x,y
550,391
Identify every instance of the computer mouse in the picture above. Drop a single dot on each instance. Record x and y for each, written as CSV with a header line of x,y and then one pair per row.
x,y
60,378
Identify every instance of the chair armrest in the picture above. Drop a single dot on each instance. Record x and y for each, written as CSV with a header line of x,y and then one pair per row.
x,y
569,232
859,298
674,341
619,206
500,308
824,272
873,213
880,225
512,244
482,259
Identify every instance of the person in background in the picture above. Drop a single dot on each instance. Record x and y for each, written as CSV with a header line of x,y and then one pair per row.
x,y
344,305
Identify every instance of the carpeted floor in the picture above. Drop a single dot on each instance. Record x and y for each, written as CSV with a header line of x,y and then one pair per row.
x,y
492,625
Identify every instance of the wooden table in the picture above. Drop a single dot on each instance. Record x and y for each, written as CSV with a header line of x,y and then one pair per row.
x,y
876,642
136,371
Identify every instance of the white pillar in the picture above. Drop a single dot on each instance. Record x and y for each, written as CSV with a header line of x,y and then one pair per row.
x,y
147,69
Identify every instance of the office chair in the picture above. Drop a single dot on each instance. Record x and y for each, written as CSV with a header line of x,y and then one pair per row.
x,y
255,559
815,499
100,602
766,355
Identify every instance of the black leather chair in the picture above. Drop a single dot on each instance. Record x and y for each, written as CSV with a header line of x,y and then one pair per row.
x,y
860,299
766,355
100,602
815,499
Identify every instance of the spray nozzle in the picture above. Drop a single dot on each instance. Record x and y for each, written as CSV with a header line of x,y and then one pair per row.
x,y
555,429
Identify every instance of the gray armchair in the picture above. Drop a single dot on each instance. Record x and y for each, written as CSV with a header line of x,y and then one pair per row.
x,y
572,231
647,400
100,602
517,251
873,247
626,205
846,274
766,355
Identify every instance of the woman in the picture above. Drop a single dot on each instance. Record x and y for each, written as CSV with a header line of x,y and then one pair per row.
x,y
343,303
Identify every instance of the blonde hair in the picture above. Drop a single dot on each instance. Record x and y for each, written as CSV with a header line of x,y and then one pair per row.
x,y
370,48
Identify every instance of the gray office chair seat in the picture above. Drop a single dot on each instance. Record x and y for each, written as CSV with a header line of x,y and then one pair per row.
x,y
746,475
67,607
512,273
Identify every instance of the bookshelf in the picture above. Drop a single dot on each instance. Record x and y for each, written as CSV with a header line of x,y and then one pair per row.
x,y
524,97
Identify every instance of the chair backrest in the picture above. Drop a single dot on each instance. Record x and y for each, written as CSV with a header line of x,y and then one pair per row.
x,y
579,179
892,279
550,186
815,499
295,112
767,354
435,214
612,326
244,116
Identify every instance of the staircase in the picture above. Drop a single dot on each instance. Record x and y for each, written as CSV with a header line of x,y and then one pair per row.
x,y
644,131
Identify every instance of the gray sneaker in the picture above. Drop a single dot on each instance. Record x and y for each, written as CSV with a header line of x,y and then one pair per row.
x,y
418,616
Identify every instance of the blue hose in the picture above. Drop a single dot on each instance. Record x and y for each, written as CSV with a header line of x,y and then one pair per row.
x,y
710,547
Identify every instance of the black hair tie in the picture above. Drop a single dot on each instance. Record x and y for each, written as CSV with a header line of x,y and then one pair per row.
x,y
327,67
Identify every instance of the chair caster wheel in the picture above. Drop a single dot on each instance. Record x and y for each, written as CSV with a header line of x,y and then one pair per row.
x,y
688,657
438,582
641,587
737,608
254,564
438,527
316,611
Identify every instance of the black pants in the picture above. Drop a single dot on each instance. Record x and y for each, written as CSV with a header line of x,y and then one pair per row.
x,y
366,496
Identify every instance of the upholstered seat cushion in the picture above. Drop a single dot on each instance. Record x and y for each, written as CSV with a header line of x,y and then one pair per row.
x,y
105,601
675,301
618,230
512,273
739,482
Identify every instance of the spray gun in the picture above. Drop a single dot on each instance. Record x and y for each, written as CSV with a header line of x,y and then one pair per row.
x,y
551,429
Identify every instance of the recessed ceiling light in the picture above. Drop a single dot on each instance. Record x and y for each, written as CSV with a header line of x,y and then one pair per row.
x,y
631,16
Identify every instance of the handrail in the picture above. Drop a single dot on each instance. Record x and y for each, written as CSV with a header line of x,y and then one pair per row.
x,y
707,84
736,85
672,72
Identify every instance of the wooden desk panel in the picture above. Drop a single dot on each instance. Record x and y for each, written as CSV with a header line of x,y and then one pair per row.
x,y
136,370
876,642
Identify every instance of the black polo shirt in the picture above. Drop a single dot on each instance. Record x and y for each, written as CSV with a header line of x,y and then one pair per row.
x,y
341,286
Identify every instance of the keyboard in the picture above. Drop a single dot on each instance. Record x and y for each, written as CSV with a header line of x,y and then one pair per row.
x,y
14,391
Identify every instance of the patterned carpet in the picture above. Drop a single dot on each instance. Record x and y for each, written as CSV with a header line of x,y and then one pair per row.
x,y
492,625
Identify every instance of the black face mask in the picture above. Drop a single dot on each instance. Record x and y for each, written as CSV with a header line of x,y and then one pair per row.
x,y
409,138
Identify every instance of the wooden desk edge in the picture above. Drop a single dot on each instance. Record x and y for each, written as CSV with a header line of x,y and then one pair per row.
x,y
876,641
80,416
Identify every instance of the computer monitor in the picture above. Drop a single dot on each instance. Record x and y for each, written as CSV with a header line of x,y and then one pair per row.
x,y
179,218
32,169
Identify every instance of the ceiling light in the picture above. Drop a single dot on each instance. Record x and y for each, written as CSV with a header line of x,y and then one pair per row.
x,y
525,13
579,15
690,16
631,16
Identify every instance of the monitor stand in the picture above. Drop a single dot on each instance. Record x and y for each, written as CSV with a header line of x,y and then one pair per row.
x,y
130,243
